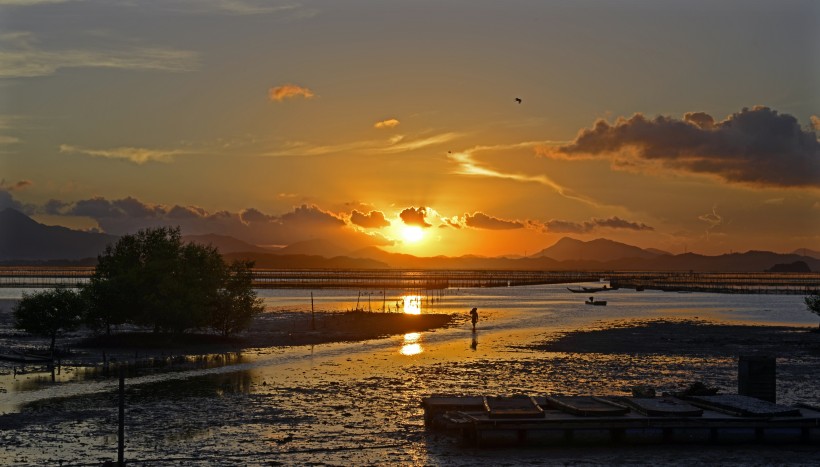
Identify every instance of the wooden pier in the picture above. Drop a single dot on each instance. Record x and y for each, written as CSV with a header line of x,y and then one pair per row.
x,y
725,419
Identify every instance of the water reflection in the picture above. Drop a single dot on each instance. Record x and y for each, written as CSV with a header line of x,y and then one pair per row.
x,y
474,343
412,344
412,304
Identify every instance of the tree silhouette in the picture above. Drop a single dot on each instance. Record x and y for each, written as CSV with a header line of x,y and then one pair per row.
x,y
813,303
49,313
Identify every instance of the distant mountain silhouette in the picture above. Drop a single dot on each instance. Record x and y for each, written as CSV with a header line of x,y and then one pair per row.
x,y
24,239
807,252
314,247
279,261
601,250
797,266
226,244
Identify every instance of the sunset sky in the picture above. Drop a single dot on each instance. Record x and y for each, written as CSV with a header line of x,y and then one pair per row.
x,y
684,126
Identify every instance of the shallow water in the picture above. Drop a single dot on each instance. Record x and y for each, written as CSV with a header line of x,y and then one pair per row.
x,y
358,403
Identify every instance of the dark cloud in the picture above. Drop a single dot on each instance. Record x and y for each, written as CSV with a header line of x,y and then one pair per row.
x,y
95,208
563,226
186,212
415,216
132,207
755,146
479,220
372,220
55,206
313,216
8,201
252,215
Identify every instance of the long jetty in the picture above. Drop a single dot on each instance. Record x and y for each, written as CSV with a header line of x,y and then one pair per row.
x,y
433,279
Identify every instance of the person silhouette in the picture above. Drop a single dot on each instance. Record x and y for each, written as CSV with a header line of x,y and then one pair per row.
x,y
474,317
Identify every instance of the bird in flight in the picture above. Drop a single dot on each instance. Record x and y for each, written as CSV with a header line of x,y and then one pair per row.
x,y
518,99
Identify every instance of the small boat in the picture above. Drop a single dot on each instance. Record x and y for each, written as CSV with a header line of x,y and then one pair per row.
x,y
576,290
594,289
592,301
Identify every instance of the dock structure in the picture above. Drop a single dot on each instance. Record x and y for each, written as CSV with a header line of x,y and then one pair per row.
x,y
723,419
436,279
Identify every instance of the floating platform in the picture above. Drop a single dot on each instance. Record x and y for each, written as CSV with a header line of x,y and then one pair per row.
x,y
564,420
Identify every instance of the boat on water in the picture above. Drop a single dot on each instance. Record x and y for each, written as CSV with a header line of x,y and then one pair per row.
x,y
592,301
588,289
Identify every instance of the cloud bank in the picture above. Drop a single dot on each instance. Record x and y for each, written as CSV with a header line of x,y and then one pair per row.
x,y
755,146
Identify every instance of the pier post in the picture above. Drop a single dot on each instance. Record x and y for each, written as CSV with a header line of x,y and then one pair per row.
x,y
757,377
121,421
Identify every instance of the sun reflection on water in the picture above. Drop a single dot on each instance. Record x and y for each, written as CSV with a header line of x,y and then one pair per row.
x,y
412,304
412,344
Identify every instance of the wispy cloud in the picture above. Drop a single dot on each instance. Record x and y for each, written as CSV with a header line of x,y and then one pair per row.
x,y
21,58
396,144
467,164
755,146
136,155
20,185
389,123
287,91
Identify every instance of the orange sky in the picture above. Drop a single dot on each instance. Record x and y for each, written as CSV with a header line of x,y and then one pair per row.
x,y
683,127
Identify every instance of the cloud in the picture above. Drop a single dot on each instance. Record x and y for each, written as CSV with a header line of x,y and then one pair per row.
x,y
9,139
138,156
372,220
7,201
21,58
815,122
389,123
415,217
393,145
20,185
287,91
755,146
712,218
564,226
467,164
480,220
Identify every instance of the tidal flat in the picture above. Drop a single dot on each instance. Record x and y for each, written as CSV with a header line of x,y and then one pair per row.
x,y
357,403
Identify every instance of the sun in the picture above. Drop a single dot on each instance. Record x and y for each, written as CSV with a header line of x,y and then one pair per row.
x,y
412,234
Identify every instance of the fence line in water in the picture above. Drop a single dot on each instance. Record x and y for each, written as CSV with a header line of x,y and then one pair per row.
x,y
431,279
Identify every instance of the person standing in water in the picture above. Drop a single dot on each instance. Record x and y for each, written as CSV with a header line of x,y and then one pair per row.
x,y
474,317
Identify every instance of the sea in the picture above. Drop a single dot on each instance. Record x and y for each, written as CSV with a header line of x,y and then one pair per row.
x,y
358,403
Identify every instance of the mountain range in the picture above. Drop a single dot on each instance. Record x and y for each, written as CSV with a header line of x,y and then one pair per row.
x,y
25,241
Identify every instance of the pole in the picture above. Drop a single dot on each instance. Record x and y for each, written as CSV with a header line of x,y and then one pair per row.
x,y
121,428
312,315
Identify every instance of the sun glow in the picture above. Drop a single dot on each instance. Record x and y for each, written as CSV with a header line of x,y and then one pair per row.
x,y
412,234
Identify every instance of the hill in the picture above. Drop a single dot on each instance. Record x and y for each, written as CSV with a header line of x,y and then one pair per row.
x,y
603,250
225,244
26,240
